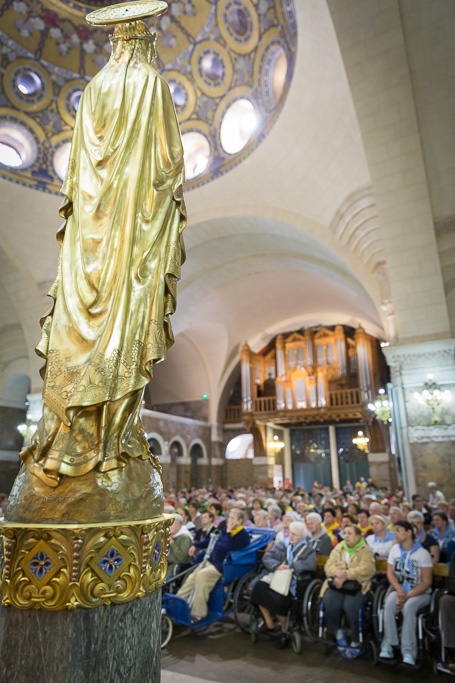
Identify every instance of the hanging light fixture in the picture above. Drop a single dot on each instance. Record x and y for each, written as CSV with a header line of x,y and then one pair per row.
x,y
275,446
361,441
381,407
27,430
434,398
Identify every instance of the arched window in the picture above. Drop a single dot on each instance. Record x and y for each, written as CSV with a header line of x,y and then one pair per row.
x,y
240,447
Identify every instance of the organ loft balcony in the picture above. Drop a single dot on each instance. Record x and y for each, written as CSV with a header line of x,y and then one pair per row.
x,y
316,375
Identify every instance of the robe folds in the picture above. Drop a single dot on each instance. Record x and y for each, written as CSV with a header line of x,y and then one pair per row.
x,y
121,249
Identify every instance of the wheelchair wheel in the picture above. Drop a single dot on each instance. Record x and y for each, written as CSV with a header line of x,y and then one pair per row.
x,y
310,610
296,642
243,609
254,627
378,604
167,628
373,652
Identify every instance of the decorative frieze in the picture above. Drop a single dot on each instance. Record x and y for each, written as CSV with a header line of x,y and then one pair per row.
x,y
431,433
64,566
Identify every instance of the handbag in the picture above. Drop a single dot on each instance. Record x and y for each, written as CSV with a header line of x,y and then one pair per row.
x,y
281,581
350,587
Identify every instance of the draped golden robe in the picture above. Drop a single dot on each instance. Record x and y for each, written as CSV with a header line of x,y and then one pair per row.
x,y
121,251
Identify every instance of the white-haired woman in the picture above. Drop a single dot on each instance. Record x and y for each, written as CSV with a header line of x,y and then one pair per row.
x,y
287,519
301,558
318,538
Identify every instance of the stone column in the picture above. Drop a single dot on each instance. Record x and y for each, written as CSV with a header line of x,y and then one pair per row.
x,y
334,457
245,369
287,454
217,456
425,449
115,643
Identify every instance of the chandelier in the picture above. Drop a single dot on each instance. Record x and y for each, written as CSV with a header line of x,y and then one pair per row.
x,y
381,407
275,446
361,441
27,430
434,398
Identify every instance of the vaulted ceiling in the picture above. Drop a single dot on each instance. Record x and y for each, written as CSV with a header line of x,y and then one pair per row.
x,y
289,235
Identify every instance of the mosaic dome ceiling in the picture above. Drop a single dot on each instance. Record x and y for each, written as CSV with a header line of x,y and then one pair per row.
x,y
229,65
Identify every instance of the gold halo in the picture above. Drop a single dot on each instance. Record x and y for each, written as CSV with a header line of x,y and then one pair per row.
x,y
126,11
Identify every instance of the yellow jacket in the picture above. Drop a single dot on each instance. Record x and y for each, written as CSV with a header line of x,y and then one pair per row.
x,y
361,566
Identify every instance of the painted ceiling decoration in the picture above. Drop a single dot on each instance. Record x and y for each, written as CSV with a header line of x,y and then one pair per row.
x,y
229,65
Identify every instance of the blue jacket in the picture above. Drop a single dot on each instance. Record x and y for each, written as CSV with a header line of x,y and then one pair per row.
x,y
225,544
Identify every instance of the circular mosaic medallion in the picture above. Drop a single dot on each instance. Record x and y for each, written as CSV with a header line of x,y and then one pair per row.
x,y
27,85
68,101
238,23
228,63
212,68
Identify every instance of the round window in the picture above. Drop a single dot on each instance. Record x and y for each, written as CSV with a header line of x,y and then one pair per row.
x,y
196,149
17,146
238,126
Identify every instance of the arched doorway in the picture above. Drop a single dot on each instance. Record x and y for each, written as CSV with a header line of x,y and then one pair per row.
x,y
175,452
196,453
155,446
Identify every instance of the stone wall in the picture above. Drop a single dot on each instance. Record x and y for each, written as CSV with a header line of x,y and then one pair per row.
x,y
435,461
240,472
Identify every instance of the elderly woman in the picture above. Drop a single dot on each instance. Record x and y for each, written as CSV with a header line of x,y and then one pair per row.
x,y
274,513
297,555
350,561
442,532
318,538
382,539
363,522
410,574
260,519
425,539
283,533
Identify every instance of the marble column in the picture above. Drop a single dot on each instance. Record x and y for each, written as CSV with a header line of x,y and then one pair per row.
x,y
108,644
425,449
334,457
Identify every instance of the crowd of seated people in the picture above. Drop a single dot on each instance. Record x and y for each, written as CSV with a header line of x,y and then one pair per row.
x,y
352,528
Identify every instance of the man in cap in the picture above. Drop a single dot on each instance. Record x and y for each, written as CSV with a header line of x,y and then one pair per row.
x,y
434,496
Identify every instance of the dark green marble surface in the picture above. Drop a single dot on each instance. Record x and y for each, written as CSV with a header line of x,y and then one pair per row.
x,y
109,644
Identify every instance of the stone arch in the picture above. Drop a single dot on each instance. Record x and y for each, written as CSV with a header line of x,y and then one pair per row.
x,y
157,444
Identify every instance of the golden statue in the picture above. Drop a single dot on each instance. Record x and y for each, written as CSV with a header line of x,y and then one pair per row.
x,y
121,252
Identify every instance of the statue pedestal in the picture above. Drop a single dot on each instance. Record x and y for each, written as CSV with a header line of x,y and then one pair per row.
x,y
112,643
82,602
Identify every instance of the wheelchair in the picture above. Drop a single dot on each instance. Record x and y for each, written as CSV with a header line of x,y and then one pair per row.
x,y
176,610
434,634
314,621
297,618
424,624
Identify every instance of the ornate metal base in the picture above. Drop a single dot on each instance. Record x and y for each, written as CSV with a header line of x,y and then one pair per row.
x,y
64,566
